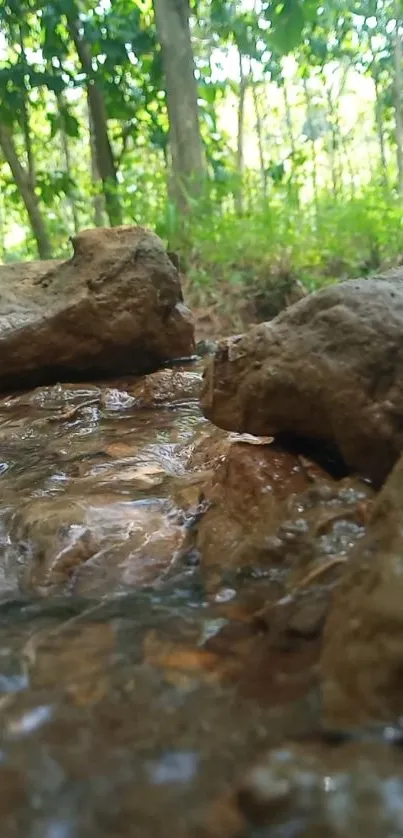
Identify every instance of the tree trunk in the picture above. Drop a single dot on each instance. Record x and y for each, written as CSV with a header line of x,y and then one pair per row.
x,y
288,118
291,140
259,133
398,96
104,156
28,195
379,117
313,147
67,160
348,164
342,151
98,198
240,156
333,142
25,119
2,229
380,130
188,165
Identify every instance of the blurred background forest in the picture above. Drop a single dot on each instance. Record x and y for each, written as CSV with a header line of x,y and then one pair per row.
x,y
262,140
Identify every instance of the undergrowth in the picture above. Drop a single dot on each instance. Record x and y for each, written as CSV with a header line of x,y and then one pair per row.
x,y
246,267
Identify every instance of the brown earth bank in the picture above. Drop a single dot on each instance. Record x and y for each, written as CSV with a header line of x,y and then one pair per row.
x,y
200,627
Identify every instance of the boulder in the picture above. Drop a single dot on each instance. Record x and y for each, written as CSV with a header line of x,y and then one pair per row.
x,y
115,307
329,368
362,658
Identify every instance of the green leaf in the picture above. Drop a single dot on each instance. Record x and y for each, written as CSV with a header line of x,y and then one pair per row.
x,y
71,125
287,26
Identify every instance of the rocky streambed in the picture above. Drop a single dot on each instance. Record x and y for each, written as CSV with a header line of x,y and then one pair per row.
x,y
200,623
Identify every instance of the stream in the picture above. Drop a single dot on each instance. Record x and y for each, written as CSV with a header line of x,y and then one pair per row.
x,y
133,695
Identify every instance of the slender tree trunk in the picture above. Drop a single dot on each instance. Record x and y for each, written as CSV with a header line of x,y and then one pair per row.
x,y
104,155
28,144
379,118
259,134
288,118
28,195
380,130
291,140
344,159
98,200
369,157
314,169
25,118
67,161
347,161
188,165
333,144
342,150
398,96
240,151
2,229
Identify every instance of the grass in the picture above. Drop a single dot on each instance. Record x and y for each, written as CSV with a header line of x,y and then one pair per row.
x,y
248,267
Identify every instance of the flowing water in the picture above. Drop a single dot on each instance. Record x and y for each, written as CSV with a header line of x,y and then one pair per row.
x,y
130,701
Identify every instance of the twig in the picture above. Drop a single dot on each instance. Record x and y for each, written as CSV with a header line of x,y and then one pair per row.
x,y
71,412
318,571
31,646
306,580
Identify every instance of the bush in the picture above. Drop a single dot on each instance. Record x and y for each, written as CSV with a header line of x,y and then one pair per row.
x,y
254,264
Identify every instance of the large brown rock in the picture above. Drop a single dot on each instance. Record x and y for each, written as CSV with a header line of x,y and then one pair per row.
x,y
362,659
328,368
116,307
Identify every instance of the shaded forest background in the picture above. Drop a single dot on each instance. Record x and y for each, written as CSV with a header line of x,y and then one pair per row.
x,y
263,140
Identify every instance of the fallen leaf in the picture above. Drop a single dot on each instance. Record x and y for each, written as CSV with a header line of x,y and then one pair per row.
x,y
249,439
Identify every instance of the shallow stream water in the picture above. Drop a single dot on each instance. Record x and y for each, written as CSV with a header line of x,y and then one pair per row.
x,y
130,702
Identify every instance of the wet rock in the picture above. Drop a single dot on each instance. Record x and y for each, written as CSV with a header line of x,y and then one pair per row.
x,y
268,507
90,545
362,660
51,537
144,557
97,493
248,498
206,347
166,387
116,306
308,789
210,447
330,368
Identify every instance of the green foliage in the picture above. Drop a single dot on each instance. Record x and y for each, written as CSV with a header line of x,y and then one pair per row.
x,y
314,203
260,257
